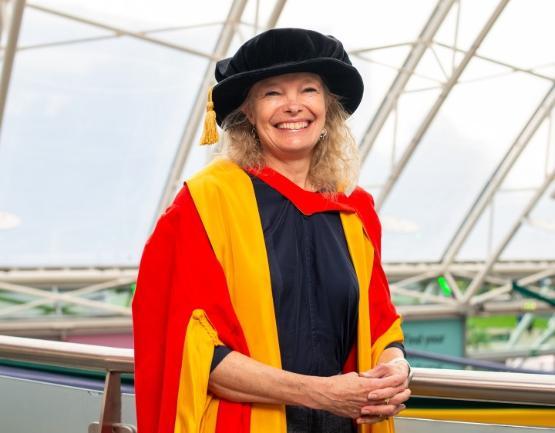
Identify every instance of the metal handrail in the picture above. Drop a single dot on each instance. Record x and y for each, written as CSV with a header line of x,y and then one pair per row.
x,y
66,354
112,360
486,386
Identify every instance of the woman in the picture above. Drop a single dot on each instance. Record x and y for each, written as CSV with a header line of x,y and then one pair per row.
x,y
262,282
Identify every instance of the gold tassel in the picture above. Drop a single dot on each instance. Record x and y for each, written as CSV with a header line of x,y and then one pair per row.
x,y
210,132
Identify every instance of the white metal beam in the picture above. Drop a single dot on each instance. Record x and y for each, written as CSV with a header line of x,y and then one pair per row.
x,y
398,86
8,311
85,40
416,279
546,335
516,333
276,13
15,288
479,279
66,277
173,180
509,66
404,272
196,116
423,128
453,284
507,287
9,54
66,325
442,310
422,296
496,180
120,31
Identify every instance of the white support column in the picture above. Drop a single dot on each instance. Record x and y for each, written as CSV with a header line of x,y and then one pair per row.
x,y
423,128
9,54
398,86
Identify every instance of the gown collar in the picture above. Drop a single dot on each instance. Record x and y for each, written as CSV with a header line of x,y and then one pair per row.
x,y
307,202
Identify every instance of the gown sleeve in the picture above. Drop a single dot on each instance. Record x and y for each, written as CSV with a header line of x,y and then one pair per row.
x,y
181,311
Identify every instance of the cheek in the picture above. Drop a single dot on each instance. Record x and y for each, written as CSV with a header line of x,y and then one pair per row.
x,y
262,113
318,108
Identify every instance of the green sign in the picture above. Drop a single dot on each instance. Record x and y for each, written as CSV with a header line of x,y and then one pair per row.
x,y
444,336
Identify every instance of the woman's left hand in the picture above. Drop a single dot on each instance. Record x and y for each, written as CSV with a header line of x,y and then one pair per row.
x,y
392,397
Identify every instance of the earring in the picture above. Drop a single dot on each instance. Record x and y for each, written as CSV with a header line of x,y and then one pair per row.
x,y
254,134
323,134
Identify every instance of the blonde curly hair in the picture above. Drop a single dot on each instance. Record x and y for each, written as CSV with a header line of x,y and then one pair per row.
x,y
335,161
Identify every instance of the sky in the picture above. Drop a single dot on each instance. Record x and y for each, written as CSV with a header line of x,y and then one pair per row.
x,y
90,128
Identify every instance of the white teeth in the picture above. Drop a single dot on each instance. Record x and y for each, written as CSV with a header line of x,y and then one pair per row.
x,y
293,125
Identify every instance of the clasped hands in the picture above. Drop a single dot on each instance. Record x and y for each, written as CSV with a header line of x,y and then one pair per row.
x,y
368,397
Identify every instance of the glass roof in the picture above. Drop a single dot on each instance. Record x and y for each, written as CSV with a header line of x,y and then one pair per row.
x,y
101,94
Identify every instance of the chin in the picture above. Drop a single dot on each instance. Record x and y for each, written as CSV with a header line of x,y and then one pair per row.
x,y
297,148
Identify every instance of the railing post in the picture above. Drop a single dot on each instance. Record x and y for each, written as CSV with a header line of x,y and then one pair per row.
x,y
110,410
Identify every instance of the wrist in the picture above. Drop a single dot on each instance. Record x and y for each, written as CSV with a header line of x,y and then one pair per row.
x,y
405,365
313,387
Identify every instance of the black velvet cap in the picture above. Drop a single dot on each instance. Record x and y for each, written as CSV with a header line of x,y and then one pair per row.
x,y
282,51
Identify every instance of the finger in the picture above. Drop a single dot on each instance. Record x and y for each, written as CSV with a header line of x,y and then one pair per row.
x,y
395,400
382,410
380,370
381,394
393,380
369,419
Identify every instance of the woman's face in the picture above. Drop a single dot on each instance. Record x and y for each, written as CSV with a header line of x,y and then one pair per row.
x,y
289,113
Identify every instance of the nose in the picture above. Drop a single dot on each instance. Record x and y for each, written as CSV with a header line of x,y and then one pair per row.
x,y
292,104
294,108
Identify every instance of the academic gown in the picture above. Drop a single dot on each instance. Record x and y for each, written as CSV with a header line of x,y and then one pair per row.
x,y
206,280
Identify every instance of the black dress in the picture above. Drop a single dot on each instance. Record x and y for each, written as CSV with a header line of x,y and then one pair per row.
x,y
315,292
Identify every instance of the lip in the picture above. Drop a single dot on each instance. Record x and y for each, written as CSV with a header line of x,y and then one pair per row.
x,y
308,121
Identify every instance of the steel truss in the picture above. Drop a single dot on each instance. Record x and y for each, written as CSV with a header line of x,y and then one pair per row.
x,y
477,287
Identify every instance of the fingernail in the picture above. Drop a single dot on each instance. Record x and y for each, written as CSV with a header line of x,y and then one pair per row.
x,y
372,396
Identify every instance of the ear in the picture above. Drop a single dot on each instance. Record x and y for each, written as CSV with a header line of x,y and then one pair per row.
x,y
246,108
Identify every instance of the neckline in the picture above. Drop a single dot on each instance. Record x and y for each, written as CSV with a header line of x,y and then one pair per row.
x,y
307,202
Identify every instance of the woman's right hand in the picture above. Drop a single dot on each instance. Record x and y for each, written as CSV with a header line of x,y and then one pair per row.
x,y
346,394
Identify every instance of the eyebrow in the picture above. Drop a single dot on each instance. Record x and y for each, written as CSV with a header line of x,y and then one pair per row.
x,y
305,81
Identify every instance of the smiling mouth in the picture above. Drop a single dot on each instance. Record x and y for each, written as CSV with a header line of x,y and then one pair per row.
x,y
293,126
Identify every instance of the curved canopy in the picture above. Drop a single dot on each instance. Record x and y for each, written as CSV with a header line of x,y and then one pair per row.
x,y
101,104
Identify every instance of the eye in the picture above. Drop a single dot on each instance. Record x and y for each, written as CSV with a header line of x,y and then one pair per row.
x,y
271,93
310,89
